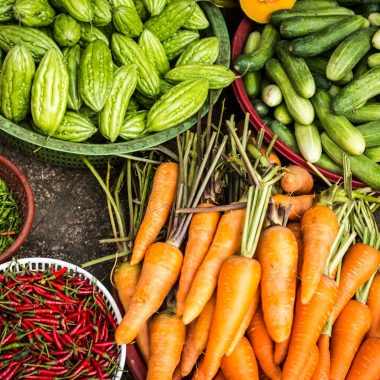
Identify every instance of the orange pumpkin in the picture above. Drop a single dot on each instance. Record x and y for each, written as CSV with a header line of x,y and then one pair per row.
x,y
260,10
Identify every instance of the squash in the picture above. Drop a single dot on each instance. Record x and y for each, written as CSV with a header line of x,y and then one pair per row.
x,y
260,10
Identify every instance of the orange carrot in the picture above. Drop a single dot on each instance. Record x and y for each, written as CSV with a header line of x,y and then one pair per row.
x,y
322,372
142,340
263,345
125,278
201,232
273,158
160,271
373,303
309,321
277,254
226,242
280,351
311,364
298,204
245,323
297,181
237,283
241,364
157,211
366,365
177,374
220,376
196,338
167,336
319,229
359,264
348,332
295,227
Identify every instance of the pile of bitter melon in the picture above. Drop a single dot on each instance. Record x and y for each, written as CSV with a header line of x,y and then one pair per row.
x,y
121,67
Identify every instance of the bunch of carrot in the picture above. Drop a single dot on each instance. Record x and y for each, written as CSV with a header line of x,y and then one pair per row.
x,y
281,282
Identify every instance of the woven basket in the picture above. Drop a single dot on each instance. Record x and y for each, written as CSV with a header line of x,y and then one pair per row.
x,y
20,188
42,263
68,154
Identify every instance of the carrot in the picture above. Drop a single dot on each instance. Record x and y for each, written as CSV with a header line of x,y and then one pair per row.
x,y
142,340
263,345
201,232
245,323
277,253
226,242
309,320
167,336
322,372
160,271
373,303
177,374
196,338
319,227
348,332
359,264
311,364
157,211
219,376
366,365
125,278
297,181
273,158
280,351
237,283
298,204
241,364
295,227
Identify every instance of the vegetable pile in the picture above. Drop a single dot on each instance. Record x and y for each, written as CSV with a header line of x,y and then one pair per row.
x,y
54,324
240,268
106,71
10,219
312,75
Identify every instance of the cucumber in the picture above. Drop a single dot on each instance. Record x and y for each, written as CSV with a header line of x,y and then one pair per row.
x,y
256,60
252,83
284,14
281,114
327,163
317,64
373,60
316,4
253,42
361,68
357,92
376,40
260,107
362,167
284,134
299,108
301,26
271,95
349,52
334,90
374,18
346,79
297,70
340,130
365,114
373,153
319,42
371,133
309,141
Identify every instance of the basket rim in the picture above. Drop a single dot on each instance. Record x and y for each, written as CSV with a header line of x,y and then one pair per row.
x,y
245,27
28,220
97,283
219,29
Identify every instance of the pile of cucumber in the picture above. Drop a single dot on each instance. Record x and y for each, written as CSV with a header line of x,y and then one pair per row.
x,y
313,75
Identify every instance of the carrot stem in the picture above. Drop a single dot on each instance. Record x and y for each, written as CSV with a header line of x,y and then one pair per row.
x,y
320,175
193,210
105,258
345,244
141,159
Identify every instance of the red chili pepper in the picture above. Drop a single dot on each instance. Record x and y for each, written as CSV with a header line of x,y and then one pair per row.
x,y
97,367
9,338
39,377
45,335
10,375
83,367
76,328
104,344
22,308
54,373
100,303
4,374
57,286
54,302
84,329
68,338
62,359
22,278
66,298
43,320
60,272
56,339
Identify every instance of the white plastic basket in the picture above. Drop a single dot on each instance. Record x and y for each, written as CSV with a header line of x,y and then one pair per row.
x,y
42,263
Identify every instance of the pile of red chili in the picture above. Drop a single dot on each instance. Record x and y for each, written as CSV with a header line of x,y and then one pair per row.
x,y
54,325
